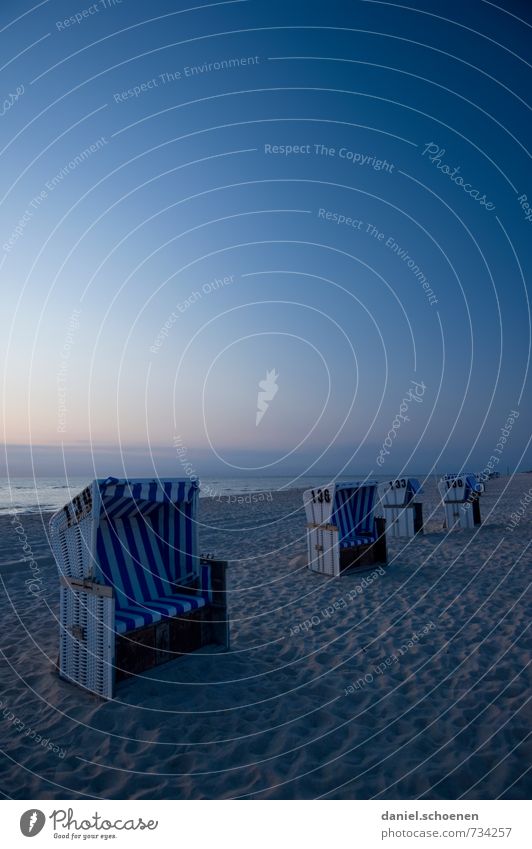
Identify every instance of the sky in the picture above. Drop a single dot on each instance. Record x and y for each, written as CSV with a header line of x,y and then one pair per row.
x,y
195,196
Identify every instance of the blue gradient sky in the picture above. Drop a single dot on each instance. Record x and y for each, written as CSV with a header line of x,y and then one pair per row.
x,y
180,192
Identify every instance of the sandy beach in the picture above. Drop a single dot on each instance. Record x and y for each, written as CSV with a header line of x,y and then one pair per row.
x,y
409,681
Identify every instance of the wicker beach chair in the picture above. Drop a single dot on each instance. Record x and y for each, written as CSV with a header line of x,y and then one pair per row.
x,y
342,528
133,591
460,496
399,501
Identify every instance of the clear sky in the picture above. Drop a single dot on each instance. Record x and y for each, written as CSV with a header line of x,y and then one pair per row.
x,y
193,197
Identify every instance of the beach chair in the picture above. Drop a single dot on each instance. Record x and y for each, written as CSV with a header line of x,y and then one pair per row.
x,y
402,509
342,528
133,591
460,496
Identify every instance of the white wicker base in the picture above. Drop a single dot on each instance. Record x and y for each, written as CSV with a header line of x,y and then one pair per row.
x,y
459,515
87,638
323,551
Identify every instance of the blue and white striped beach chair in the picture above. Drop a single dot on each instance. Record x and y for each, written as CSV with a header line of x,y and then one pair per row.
x,y
133,590
460,496
399,500
342,528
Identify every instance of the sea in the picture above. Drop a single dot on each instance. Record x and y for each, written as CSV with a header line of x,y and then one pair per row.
x,y
30,495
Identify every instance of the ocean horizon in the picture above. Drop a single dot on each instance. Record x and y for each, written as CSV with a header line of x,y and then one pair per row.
x,y
47,494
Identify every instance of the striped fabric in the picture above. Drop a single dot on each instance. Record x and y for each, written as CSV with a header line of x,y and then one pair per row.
x,y
353,514
166,510
350,542
131,562
138,616
146,547
122,498
176,531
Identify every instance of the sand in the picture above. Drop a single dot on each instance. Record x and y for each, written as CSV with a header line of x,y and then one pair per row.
x,y
406,682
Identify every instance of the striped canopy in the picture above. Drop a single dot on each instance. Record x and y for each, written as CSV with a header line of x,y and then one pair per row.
x,y
120,499
353,512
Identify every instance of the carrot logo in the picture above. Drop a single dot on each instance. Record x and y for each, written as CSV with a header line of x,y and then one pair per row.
x,y
32,822
267,391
